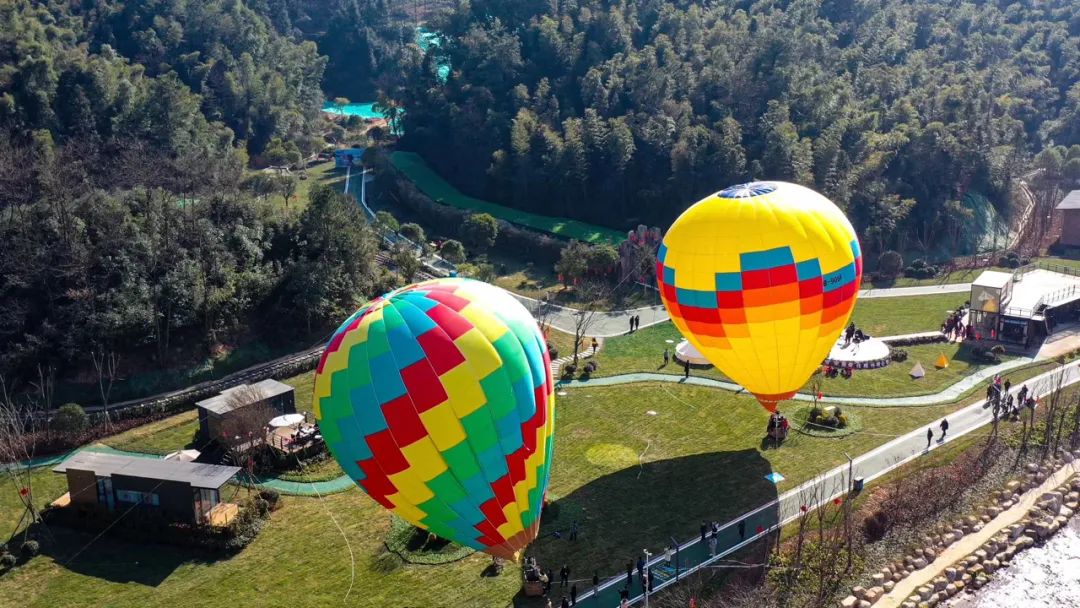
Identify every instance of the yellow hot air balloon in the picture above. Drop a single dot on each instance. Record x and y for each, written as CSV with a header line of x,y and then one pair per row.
x,y
761,278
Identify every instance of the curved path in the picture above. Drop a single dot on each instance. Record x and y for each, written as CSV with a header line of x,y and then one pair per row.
x,y
608,324
820,491
952,393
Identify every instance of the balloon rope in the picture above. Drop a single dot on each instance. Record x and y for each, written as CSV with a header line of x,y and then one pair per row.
x,y
348,545
641,467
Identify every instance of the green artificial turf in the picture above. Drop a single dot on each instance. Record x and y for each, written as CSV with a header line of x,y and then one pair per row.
x,y
433,185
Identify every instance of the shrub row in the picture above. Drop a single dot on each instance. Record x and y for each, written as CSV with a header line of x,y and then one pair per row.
x,y
916,340
148,526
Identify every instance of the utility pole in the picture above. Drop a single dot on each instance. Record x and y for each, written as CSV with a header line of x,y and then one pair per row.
x,y
850,472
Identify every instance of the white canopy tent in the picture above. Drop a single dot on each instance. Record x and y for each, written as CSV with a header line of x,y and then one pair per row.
x,y
686,352
287,420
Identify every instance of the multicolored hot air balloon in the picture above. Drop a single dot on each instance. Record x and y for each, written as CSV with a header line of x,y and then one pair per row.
x,y
761,278
437,400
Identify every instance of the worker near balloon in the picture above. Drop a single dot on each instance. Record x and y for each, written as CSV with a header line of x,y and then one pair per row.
x,y
437,399
761,278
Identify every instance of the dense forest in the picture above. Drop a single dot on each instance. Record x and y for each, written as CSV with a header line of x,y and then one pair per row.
x,y
127,218
620,111
361,39
131,220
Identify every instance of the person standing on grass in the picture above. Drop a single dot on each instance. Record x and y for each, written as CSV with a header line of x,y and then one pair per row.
x,y
686,369
573,530
667,357
944,428
564,576
929,436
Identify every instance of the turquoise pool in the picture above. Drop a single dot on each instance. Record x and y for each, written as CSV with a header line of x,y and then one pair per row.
x,y
363,110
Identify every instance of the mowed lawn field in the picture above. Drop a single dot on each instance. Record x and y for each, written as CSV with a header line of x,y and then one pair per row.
x,y
634,465
643,351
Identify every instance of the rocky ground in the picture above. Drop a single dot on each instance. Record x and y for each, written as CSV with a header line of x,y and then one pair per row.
x,y
1048,513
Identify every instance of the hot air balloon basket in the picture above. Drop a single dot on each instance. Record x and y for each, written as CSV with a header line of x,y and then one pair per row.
x,y
417,546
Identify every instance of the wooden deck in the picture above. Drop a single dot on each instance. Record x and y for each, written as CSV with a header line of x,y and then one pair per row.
x,y
222,514
63,501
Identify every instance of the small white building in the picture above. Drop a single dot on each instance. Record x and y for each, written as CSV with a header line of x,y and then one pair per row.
x,y
1025,305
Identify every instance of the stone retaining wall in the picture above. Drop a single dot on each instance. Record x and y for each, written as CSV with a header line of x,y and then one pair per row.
x,y
1050,514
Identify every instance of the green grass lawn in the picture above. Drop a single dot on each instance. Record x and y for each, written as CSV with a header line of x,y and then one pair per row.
x,y
642,352
324,470
907,315
631,480
161,437
320,174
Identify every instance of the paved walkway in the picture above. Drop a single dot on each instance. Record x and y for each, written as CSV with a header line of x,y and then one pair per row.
x,y
950,394
971,542
617,322
832,484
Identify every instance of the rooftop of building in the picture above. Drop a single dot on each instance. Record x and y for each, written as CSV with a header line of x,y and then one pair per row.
x,y
223,403
106,465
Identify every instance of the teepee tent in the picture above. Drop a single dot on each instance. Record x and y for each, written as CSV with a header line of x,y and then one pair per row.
x,y
942,362
918,371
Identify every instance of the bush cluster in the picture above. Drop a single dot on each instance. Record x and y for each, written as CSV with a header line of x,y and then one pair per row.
x,y
1013,259
898,354
920,269
988,355
151,527
837,420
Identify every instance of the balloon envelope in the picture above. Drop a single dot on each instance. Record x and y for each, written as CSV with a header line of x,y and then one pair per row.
x,y
437,400
761,279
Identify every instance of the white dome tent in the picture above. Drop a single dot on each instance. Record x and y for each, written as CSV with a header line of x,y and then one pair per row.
x,y
685,352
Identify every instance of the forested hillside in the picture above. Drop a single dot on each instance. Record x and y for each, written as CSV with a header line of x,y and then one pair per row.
x,y
361,39
126,217
629,110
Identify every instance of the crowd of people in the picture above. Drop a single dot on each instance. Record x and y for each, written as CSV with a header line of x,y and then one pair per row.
x,y
1007,406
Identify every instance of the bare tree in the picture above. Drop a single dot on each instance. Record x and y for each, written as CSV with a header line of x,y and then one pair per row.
x,y
106,363
585,316
543,310
17,426
244,426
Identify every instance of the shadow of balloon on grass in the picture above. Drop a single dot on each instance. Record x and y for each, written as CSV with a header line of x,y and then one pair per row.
x,y
644,507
